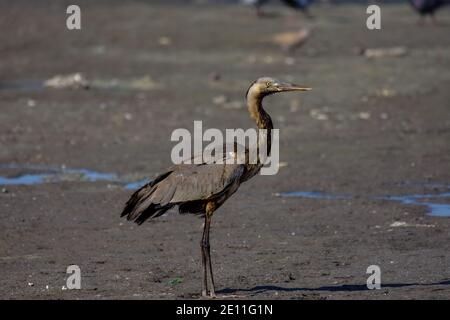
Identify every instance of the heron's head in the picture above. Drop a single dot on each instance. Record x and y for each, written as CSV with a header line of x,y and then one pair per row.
x,y
266,86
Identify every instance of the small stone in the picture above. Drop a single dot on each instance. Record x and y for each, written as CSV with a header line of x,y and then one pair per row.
x,y
364,115
385,52
234,105
318,114
214,76
398,224
31,103
220,99
289,61
70,81
322,116
268,60
164,41
386,93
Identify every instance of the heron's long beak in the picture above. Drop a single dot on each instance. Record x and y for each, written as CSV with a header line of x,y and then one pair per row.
x,y
292,87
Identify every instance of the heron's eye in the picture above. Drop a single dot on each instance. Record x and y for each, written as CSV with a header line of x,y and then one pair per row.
x,y
269,83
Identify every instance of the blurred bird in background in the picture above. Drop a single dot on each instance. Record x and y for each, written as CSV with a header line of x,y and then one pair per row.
x,y
428,7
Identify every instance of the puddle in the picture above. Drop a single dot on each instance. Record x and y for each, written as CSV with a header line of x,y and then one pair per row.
x,y
93,176
433,208
312,195
135,185
25,85
26,179
45,174
39,174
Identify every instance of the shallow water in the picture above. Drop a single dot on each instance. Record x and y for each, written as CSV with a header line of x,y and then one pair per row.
x,y
433,208
26,179
135,185
47,174
313,195
51,174
26,85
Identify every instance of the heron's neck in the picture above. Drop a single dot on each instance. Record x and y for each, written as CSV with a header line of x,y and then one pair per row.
x,y
262,119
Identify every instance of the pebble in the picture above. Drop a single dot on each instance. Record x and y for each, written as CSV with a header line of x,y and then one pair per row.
x,y
289,61
220,99
31,103
364,115
318,115
164,41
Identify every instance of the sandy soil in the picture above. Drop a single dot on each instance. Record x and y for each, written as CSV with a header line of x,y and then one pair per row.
x,y
369,128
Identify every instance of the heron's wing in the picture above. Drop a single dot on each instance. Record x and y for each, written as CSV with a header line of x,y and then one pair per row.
x,y
184,183
196,182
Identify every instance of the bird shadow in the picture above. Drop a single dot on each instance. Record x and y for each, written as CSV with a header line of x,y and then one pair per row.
x,y
337,288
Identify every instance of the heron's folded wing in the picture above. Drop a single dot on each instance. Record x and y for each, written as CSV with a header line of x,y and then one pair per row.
x,y
196,182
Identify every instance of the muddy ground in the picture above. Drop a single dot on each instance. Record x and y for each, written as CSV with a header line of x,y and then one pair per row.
x,y
370,127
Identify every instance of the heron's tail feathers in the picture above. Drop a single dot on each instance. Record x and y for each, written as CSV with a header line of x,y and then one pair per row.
x,y
141,205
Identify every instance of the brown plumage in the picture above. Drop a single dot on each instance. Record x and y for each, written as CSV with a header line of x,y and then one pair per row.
x,y
203,188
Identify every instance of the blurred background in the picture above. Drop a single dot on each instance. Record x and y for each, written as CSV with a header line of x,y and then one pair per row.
x,y
86,116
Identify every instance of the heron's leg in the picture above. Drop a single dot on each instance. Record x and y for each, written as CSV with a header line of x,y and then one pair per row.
x,y
205,273
208,254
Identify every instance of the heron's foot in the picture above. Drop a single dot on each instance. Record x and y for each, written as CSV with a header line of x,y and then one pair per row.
x,y
208,296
